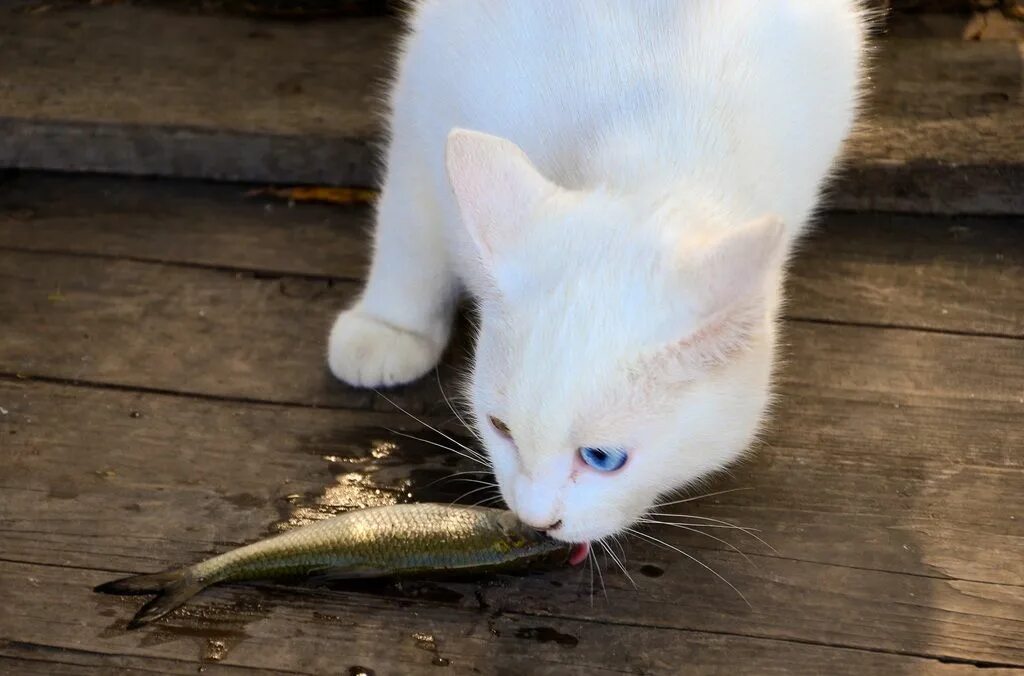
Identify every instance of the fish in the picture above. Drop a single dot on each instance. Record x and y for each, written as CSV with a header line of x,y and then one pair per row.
x,y
402,540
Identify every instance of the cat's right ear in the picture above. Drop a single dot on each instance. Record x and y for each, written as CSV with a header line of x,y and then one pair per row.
x,y
496,187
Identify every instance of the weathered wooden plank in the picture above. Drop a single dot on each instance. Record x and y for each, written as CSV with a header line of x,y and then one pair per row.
x,y
942,132
950,274
185,478
31,658
88,89
959,274
190,222
248,336
938,492
205,330
292,101
330,632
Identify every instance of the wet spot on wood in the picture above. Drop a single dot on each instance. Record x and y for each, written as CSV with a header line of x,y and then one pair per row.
x,y
246,500
332,619
215,651
428,643
64,489
547,635
651,571
360,671
370,469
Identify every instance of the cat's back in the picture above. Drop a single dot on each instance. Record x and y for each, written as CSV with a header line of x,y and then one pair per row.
x,y
561,78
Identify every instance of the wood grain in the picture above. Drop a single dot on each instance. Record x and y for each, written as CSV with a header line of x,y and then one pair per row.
x,y
866,557
874,269
88,89
250,336
296,631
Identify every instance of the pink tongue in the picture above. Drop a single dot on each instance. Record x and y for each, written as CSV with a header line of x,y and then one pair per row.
x,y
579,553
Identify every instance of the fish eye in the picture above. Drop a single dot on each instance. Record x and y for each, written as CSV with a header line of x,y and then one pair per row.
x,y
604,459
500,427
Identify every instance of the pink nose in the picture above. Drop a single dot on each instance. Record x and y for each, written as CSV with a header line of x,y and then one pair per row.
x,y
535,505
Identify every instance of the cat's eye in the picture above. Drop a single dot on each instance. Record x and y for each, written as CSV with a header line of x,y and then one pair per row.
x,y
501,427
604,459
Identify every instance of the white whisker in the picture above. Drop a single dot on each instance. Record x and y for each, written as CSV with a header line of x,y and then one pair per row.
x,y
705,495
475,457
478,481
457,443
466,495
619,563
600,574
437,372
752,532
714,572
451,477
590,566
707,535
478,503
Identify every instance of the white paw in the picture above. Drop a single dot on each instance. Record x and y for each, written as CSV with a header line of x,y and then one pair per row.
x,y
366,352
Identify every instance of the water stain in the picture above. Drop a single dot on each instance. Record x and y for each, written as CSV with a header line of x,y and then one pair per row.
x,y
428,643
492,624
481,602
548,635
332,619
400,590
373,469
651,570
429,591
63,489
246,500
215,651
360,671
216,629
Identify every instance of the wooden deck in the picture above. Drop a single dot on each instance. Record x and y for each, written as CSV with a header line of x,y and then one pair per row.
x,y
163,396
87,87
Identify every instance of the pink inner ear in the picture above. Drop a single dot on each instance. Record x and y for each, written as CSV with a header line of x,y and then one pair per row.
x,y
495,186
733,269
718,339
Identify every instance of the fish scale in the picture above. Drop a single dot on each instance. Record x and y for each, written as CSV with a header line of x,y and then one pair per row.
x,y
397,540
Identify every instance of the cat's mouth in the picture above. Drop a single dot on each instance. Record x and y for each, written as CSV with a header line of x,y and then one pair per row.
x,y
580,552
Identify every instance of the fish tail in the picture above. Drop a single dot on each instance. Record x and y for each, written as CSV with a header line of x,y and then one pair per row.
x,y
172,589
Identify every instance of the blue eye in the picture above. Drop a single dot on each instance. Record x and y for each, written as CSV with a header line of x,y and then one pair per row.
x,y
604,459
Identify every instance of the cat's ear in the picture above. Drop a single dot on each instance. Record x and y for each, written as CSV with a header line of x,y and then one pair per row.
x,y
731,271
729,279
496,188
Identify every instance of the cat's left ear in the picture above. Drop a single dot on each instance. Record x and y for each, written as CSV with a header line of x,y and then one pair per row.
x,y
729,280
496,187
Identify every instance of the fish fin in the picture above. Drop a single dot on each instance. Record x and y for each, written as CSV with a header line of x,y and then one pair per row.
x,y
139,584
172,589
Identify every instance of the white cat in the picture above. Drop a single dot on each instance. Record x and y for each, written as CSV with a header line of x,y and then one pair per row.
x,y
622,209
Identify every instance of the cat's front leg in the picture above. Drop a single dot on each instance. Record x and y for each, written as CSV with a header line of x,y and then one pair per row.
x,y
400,325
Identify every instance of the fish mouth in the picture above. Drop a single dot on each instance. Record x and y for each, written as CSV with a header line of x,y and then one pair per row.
x,y
579,553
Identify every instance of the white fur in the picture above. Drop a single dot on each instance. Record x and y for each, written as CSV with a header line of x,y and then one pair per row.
x,y
636,174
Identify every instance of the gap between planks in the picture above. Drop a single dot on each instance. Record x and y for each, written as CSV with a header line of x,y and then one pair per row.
x,y
258,587
264,274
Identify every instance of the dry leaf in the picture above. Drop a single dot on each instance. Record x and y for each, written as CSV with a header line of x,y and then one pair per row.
x,y
327,194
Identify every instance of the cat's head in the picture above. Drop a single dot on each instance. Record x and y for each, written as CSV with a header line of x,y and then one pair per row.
x,y
625,344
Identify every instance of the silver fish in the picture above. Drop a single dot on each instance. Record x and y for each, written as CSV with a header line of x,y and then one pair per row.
x,y
392,541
